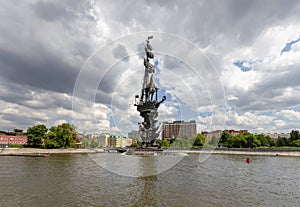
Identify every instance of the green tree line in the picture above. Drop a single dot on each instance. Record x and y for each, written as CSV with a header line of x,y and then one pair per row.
x,y
61,136
248,140
243,140
196,141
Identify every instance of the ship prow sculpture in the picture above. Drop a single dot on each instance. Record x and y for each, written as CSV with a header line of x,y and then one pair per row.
x,y
147,103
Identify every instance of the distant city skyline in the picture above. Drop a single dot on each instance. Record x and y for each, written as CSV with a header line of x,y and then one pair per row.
x,y
253,46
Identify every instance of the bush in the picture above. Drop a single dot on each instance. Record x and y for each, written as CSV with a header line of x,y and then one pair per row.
x,y
17,146
134,144
295,143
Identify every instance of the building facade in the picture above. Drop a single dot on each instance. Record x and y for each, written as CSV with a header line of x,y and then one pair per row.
x,y
218,133
115,141
9,138
103,140
179,129
275,136
233,132
126,142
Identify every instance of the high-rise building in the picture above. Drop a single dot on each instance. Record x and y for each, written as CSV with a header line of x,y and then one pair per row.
x,y
179,129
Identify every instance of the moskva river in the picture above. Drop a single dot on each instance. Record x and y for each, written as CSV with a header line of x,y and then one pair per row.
x,y
83,180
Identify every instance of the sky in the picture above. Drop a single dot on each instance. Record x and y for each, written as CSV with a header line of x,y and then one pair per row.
x,y
231,64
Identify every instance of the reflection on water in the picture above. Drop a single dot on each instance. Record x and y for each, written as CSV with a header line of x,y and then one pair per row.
x,y
77,180
135,166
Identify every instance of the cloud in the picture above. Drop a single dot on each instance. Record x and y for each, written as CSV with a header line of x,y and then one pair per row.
x,y
289,114
120,52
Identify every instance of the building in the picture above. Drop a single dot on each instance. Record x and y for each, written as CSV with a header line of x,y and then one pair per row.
x,y
103,140
126,142
233,132
275,136
135,135
214,134
9,138
218,133
179,129
115,141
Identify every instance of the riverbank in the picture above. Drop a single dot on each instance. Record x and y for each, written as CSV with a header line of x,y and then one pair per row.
x,y
293,152
34,151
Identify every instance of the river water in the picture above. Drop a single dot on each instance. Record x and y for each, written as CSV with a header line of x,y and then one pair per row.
x,y
220,180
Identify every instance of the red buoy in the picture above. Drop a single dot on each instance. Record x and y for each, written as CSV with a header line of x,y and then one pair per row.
x,y
248,160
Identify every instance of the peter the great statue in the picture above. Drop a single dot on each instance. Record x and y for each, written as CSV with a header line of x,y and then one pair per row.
x,y
147,103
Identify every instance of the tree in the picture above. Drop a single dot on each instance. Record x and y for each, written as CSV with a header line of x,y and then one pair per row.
x,y
282,142
199,140
265,140
252,140
65,135
85,143
294,135
35,135
134,144
181,143
172,140
295,143
165,143
94,143
243,140
51,140
237,141
224,137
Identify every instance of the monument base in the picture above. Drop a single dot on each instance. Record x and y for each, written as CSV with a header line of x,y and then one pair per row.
x,y
145,151
148,149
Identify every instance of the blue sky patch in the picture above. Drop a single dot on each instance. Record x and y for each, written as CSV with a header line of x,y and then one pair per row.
x,y
156,62
289,45
241,65
246,65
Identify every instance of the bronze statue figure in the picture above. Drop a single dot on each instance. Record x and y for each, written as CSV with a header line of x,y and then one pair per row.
x,y
148,102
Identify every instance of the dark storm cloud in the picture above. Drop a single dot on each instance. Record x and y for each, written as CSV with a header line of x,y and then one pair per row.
x,y
288,78
51,11
203,21
21,119
13,92
102,97
110,79
31,97
56,10
245,19
44,71
120,52
28,54
271,92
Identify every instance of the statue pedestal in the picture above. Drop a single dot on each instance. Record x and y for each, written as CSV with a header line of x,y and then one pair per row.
x,y
149,149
